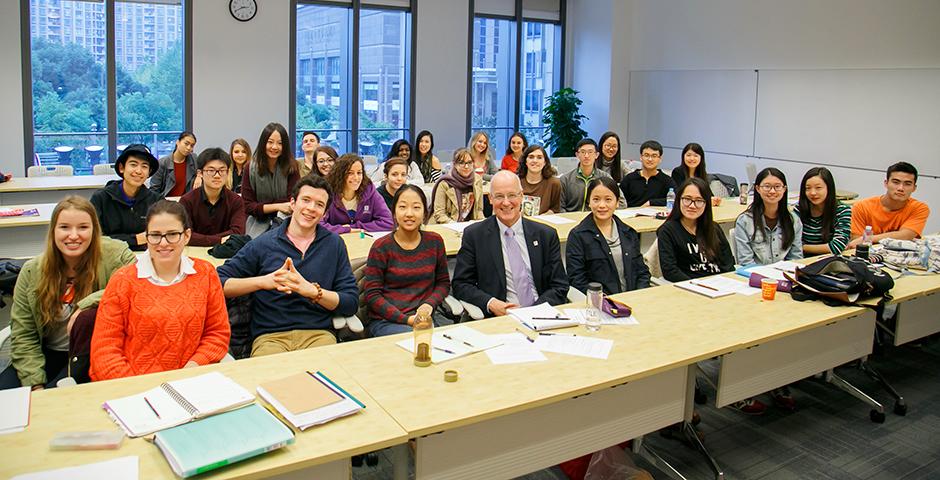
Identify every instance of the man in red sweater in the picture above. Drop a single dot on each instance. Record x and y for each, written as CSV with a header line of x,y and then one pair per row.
x,y
215,211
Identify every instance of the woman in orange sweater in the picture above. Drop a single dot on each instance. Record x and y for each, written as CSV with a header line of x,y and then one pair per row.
x,y
163,313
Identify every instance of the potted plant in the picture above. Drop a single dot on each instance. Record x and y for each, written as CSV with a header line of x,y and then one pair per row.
x,y
563,121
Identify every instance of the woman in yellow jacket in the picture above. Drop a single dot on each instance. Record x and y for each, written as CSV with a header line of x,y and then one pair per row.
x,y
458,195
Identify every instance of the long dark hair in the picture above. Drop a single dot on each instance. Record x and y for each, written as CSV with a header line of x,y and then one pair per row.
x,y
337,176
699,171
616,170
829,204
393,152
756,209
285,161
424,161
548,171
706,232
525,142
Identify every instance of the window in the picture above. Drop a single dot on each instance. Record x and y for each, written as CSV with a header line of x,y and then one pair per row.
x,y
509,82
369,115
68,68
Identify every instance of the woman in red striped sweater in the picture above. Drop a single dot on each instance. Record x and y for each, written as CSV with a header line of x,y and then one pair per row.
x,y
165,312
405,269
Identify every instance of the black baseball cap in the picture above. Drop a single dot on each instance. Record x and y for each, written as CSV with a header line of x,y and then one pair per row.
x,y
140,151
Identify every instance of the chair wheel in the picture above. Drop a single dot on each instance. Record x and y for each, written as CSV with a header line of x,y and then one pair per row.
x,y
357,460
372,458
876,416
900,408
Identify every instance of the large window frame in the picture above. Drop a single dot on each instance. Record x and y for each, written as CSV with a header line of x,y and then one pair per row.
x,y
112,130
354,130
519,65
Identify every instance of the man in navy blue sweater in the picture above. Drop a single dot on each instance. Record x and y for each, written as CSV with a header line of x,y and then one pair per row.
x,y
298,275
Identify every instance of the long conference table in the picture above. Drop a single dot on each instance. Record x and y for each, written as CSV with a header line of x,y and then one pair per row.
x,y
501,421
32,190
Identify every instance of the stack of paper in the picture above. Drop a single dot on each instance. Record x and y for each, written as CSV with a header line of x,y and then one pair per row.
x,y
122,468
516,348
542,317
454,343
18,212
14,410
575,345
640,212
555,219
459,226
773,270
307,399
711,287
580,314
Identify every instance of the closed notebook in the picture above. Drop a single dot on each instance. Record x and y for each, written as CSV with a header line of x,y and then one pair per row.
x,y
177,402
301,393
14,409
327,401
220,440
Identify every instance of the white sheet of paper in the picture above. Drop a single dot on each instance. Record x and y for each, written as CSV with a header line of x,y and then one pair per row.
x,y
739,287
122,468
515,349
776,270
581,315
458,226
444,349
14,410
378,235
575,345
527,316
555,219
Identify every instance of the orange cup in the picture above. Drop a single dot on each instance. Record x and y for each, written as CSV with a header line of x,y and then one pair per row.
x,y
768,288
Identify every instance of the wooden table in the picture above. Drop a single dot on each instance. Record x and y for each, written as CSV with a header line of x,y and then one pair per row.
x,y
25,236
319,452
502,421
50,189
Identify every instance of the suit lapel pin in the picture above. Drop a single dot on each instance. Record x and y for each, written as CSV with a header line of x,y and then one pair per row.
x,y
535,243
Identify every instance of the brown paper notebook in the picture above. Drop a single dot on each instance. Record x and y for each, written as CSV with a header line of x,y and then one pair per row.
x,y
301,393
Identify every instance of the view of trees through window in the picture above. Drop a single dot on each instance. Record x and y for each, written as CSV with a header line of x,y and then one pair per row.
x,y
68,55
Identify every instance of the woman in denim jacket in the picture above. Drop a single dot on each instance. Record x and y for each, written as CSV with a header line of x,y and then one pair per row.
x,y
768,231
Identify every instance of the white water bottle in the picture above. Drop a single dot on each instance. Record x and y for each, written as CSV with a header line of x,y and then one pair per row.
x,y
670,199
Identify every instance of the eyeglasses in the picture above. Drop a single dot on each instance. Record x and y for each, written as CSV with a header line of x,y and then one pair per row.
x,y
773,188
171,237
464,164
212,172
499,197
654,156
689,201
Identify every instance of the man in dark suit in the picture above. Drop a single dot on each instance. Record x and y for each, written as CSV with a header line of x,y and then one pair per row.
x,y
507,261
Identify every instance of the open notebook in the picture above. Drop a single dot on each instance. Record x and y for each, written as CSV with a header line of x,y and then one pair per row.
x,y
177,402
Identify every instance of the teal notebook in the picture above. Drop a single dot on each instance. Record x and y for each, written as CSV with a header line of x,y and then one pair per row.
x,y
223,439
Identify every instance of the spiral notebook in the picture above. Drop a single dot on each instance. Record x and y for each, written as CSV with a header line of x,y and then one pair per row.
x,y
177,402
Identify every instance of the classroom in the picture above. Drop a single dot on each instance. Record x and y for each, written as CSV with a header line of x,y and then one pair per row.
x,y
396,153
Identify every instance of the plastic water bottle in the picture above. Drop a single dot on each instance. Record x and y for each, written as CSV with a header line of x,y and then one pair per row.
x,y
595,295
670,200
864,247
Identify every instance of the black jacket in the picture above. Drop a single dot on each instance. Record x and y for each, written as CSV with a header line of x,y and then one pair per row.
x,y
481,275
119,219
589,259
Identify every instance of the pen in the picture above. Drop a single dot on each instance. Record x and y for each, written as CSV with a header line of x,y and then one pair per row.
x,y
704,286
559,334
550,318
154,410
461,341
526,335
444,350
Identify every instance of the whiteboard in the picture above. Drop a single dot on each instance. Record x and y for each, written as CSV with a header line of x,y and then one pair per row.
x,y
851,118
713,107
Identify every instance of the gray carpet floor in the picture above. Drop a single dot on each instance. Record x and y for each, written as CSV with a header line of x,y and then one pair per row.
x,y
830,435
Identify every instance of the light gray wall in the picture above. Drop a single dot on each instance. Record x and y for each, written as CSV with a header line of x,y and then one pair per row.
x,y
441,72
761,34
240,71
11,90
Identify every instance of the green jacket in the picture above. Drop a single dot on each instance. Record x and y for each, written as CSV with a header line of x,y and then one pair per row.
x,y
26,352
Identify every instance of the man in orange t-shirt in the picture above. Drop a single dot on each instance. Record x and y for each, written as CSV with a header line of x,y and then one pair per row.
x,y
894,214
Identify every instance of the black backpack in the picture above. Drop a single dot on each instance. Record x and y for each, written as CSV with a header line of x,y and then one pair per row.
x,y
841,280
9,271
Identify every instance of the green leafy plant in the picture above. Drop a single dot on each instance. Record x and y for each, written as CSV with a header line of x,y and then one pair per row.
x,y
561,117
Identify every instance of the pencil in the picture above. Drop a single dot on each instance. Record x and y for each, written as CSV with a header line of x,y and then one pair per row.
x,y
444,350
704,286
154,410
461,341
550,318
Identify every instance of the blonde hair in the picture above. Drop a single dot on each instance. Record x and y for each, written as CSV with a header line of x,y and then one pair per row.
x,y
489,145
53,278
244,144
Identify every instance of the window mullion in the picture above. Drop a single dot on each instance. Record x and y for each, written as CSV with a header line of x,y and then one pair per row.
x,y
111,76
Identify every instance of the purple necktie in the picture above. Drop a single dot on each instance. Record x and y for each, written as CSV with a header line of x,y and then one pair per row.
x,y
521,276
